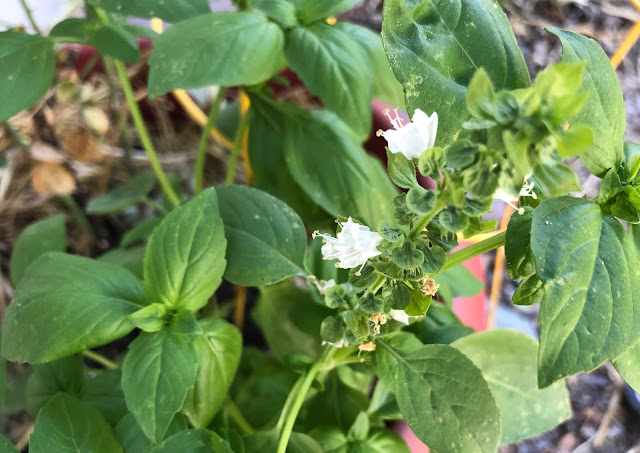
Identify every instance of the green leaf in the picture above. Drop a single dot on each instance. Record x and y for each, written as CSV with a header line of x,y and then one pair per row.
x,y
445,400
133,192
529,291
591,305
104,392
62,375
48,235
385,85
133,439
267,241
94,300
157,373
507,360
385,364
556,180
173,11
131,259
283,11
520,261
6,446
418,304
628,365
72,28
184,261
384,441
251,57
290,320
313,10
402,171
457,282
218,349
339,404
116,42
67,425
435,47
28,66
604,110
360,428
331,155
610,187
193,441
339,75
140,232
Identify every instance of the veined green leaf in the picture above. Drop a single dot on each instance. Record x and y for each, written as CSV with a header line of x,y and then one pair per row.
x,y
436,46
94,299
184,261
604,110
333,66
240,48
590,310
68,425
157,373
267,241
27,66
133,192
193,441
507,360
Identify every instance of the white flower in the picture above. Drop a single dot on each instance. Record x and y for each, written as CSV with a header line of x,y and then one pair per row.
x,y
526,191
414,138
400,316
352,247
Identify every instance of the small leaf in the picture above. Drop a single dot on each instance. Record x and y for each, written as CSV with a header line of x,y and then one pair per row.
x,y
151,318
218,349
529,291
421,201
62,375
74,27
418,303
610,187
184,261
283,11
28,66
519,258
402,171
251,57
407,256
157,373
93,298
116,42
396,295
133,192
267,241
67,425
332,329
507,360
360,428
140,232
48,235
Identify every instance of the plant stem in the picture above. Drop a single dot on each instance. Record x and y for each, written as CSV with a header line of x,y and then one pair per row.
x,y
237,144
423,222
144,133
478,248
139,122
204,138
299,393
78,213
377,284
237,417
99,358
32,21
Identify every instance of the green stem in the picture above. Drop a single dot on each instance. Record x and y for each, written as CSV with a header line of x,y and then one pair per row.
x,y
78,213
139,122
32,21
204,138
377,284
300,391
237,144
478,248
237,417
102,360
423,222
